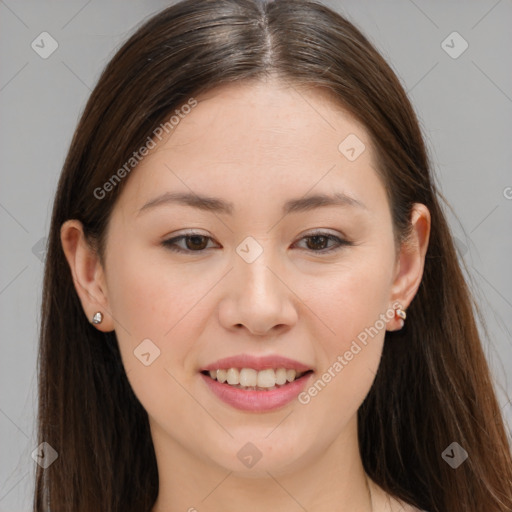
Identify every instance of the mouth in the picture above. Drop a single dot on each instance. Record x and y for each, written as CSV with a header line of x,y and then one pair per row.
x,y
250,379
249,390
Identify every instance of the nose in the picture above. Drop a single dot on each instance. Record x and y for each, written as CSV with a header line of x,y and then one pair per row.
x,y
258,298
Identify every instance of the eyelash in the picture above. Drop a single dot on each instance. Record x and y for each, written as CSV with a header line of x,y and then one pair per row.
x,y
171,242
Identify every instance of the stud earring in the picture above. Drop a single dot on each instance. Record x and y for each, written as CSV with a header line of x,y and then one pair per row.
x,y
400,313
97,318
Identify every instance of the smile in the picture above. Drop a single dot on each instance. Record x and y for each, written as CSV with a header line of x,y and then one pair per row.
x,y
250,379
257,391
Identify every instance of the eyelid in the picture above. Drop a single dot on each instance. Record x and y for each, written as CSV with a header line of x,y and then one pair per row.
x,y
191,232
171,243
321,231
340,239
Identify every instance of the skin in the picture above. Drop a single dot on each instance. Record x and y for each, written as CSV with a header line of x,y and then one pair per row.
x,y
256,145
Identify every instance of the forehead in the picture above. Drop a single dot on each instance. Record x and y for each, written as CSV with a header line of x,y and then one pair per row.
x,y
250,119
258,139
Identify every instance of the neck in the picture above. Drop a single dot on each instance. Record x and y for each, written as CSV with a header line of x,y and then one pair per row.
x,y
331,480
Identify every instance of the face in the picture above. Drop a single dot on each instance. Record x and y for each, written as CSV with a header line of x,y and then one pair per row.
x,y
311,283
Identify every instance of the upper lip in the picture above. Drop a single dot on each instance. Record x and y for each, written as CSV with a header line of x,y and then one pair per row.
x,y
257,363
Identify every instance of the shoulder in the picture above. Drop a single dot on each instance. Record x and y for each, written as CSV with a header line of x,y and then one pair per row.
x,y
400,506
389,502
408,508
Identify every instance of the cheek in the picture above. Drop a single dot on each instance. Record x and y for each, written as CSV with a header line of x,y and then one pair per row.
x,y
150,305
153,299
352,298
353,304
149,295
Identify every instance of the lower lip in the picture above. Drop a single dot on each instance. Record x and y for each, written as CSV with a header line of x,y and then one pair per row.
x,y
257,401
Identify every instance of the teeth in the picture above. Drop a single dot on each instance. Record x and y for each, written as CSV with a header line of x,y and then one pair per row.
x,y
249,378
281,376
233,376
266,378
290,375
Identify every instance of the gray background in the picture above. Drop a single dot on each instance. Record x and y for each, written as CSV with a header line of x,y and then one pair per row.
x,y
464,105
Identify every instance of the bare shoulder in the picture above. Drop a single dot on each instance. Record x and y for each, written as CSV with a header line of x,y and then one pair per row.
x,y
396,505
388,503
404,507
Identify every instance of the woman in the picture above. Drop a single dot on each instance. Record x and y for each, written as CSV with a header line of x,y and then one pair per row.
x,y
252,297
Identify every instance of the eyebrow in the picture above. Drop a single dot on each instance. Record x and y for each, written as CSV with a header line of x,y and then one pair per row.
x,y
217,205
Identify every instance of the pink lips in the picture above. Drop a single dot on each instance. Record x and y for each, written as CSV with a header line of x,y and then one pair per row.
x,y
258,363
252,400
257,401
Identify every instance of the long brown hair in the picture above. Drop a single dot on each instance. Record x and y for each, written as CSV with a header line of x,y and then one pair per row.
x,y
433,386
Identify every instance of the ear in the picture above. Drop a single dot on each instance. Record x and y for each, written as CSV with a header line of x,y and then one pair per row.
x,y
411,260
87,273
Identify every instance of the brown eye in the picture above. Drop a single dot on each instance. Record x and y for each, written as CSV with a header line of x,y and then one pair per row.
x,y
197,242
193,243
317,242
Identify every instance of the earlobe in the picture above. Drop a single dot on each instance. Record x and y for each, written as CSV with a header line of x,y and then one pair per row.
x,y
87,274
411,261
